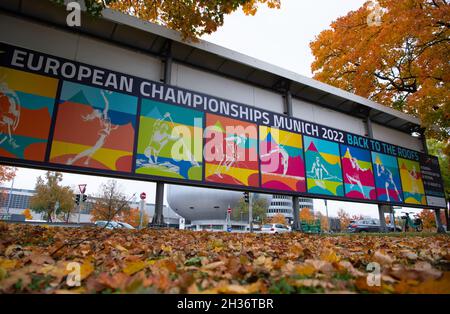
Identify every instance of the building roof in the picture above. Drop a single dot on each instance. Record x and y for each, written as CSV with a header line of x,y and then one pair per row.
x,y
154,39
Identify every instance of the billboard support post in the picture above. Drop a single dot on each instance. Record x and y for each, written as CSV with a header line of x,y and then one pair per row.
x,y
158,218
437,217
250,211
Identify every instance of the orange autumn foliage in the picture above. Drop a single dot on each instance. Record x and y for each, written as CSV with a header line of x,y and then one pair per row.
x,y
344,218
429,219
132,217
306,214
278,219
191,18
400,62
7,173
27,214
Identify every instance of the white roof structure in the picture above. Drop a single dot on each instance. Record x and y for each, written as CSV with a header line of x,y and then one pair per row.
x,y
154,39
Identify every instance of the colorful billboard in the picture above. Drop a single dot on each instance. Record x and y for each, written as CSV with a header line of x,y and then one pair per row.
x,y
281,157
231,151
94,128
167,144
60,114
27,103
413,191
387,178
358,173
323,167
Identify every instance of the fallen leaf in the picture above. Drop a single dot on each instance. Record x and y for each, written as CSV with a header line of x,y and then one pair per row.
x,y
382,258
134,267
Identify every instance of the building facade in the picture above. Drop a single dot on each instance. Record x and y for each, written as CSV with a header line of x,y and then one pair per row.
x,y
282,204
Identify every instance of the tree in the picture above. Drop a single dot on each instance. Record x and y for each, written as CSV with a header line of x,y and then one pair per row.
x,y
259,209
357,217
51,198
27,214
191,18
306,214
401,62
324,224
132,217
110,202
344,218
278,219
6,174
429,219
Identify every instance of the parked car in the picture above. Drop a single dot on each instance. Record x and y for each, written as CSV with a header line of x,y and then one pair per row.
x,y
369,225
256,228
363,225
390,228
125,225
113,225
274,228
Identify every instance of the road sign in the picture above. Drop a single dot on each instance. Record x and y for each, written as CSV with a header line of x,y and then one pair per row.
x,y
143,196
82,188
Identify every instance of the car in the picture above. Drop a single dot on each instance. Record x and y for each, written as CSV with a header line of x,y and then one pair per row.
x,y
369,225
125,225
274,228
390,228
363,225
113,225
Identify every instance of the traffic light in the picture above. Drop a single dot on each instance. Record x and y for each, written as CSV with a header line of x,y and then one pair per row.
x,y
246,197
77,199
84,198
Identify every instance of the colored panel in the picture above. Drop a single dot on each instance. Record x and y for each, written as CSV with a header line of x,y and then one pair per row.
x,y
92,131
323,166
358,173
413,191
231,151
170,141
26,102
281,156
387,178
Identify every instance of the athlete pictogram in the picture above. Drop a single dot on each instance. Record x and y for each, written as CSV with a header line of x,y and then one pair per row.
x,y
414,176
386,175
284,157
105,130
9,115
232,154
161,136
355,178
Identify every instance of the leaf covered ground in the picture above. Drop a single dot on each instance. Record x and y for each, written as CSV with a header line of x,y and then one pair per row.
x,y
179,261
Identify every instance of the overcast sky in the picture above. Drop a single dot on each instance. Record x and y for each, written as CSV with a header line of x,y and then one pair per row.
x,y
280,37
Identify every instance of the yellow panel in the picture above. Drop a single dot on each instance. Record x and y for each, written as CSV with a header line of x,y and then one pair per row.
x,y
281,136
240,174
29,83
106,156
331,159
